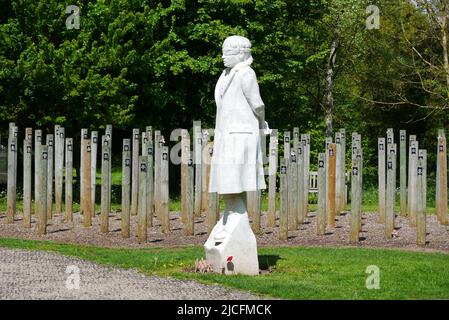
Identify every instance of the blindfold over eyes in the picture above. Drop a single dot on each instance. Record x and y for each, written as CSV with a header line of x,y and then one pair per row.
x,y
236,51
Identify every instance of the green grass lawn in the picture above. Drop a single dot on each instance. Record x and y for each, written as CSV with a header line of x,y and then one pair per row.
x,y
296,272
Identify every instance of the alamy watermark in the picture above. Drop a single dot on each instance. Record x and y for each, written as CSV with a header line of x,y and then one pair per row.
x,y
373,280
73,20
73,279
373,20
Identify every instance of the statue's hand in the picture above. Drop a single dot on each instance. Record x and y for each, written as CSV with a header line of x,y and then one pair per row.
x,y
266,129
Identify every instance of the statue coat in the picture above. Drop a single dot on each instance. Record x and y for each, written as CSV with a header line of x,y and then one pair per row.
x,y
237,163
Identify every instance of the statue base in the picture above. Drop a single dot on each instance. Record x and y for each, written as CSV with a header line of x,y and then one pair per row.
x,y
231,247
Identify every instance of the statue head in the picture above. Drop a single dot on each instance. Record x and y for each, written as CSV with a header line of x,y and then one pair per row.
x,y
235,49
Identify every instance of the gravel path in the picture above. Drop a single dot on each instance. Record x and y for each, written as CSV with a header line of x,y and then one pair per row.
x,y
26,274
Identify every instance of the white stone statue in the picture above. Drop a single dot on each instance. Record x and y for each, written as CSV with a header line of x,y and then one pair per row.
x,y
237,165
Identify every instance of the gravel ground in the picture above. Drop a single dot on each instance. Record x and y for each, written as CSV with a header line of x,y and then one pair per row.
x,y
372,234
42,275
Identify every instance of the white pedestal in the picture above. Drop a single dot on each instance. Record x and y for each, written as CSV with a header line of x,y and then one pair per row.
x,y
231,246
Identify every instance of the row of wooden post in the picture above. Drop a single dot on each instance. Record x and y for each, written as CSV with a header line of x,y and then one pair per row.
x,y
294,184
298,181
194,180
356,187
413,185
441,183
145,180
139,194
294,181
42,206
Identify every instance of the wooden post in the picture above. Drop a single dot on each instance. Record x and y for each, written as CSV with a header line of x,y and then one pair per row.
x,y
321,210
205,151
108,148
212,211
12,175
135,171
108,134
411,139
145,143
354,147
109,139
86,198
273,163
441,201
93,166
296,146
296,138
394,149
390,139
12,125
29,134
283,212
126,187
287,146
185,154
328,141
339,191
331,186
356,199
27,149
37,159
414,146
390,191
84,138
207,163
197,159
420,212
50,146
381,153
306,174
69,179
218,207
211,216
292,187
190,217
150,183
441,133
59,166
15,131
422,155
104,216
390,136
359,157
142,201
157,173
150,176
342,184
301,214
403,171
256,213
164,193
250,204
41,203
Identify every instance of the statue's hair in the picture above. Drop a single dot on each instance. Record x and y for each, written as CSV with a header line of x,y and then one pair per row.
x,y
238,42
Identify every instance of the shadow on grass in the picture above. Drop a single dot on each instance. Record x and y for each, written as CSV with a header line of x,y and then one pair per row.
x,y
266,261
